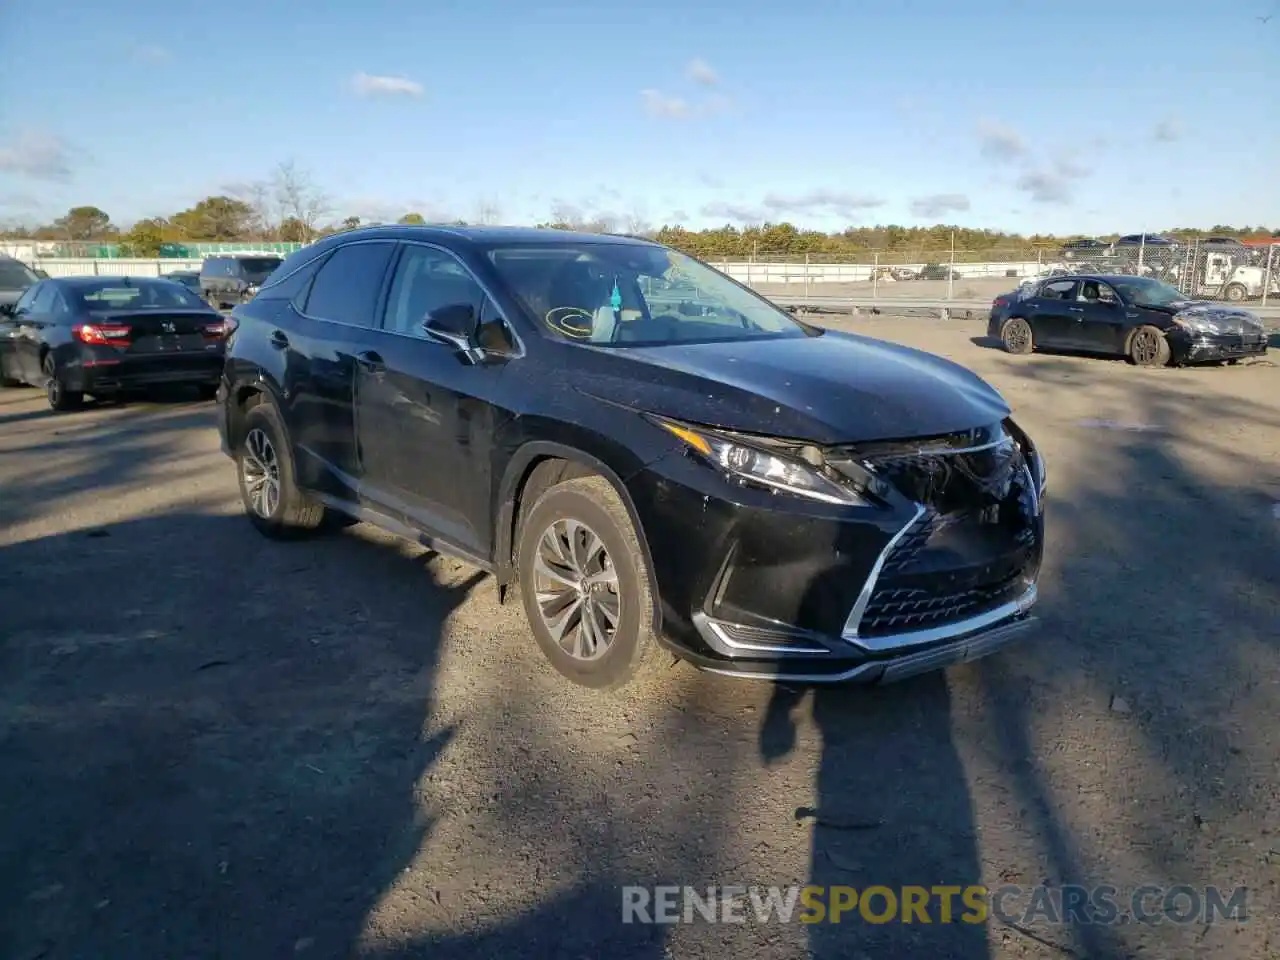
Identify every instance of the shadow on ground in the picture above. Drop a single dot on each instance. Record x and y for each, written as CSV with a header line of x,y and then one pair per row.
x,y
1161,607
211,748
225,746
101,448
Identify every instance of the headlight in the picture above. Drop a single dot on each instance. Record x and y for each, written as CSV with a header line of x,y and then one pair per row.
x,y
1038,470
1198,325
799,470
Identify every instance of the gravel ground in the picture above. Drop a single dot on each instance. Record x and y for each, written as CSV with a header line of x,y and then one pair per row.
x,y
217,746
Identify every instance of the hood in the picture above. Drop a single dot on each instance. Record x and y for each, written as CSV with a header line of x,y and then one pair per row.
x,y
1223,316
830,388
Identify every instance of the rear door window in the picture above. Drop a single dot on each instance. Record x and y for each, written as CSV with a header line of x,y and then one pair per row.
x,y
294,286
42,302
346,288
1058,290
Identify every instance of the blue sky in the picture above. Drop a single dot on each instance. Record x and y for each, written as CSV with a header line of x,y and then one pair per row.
x,y
1089,116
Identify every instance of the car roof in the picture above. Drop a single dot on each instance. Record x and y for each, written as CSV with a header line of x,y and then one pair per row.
x,y
1111,278
246,256
485,236
76,283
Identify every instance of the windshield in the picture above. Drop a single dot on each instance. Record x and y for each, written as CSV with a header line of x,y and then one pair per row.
x,y
257,269
614,294
116,294
14,275
1145,292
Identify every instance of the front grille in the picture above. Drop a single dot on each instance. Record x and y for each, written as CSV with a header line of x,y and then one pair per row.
x,y
976,546
903,609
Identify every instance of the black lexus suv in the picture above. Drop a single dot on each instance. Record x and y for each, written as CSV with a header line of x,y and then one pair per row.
x,y
649,453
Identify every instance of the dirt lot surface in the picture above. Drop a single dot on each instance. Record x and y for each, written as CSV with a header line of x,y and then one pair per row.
x,y
216,746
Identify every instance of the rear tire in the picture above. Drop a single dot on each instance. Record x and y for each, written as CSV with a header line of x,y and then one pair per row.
x,y
1235,292
1017,337
585,585
268,484
1149,348
60,398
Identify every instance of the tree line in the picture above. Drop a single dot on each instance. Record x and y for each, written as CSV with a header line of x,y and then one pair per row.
x,y
288,206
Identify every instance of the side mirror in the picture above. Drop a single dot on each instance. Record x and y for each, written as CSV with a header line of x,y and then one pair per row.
x,y
455,325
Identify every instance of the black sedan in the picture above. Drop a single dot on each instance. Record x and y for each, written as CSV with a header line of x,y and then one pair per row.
x,y
649,452
108,335
1141,318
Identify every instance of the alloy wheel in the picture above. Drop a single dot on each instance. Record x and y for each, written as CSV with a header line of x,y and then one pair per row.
x,y
52,385
260,471
576,587
1017,335
1146,347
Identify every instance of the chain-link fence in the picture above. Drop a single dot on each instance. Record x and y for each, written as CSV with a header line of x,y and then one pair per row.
x,y
177,250
1237,272
1201,270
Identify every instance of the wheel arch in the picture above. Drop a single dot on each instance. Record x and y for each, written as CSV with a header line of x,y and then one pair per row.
x,y
1142,325
537,466
243,397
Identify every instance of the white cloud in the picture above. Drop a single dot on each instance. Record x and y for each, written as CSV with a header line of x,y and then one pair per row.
x,y
36,155
815,203
823,202
939,205
1167,130
1054,184
1000,143
1044,186
372,85
152,53
701,72
658,104
734,212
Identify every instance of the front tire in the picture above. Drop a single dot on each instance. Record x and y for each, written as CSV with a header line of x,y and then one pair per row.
x,y
268,482
1017,337
1148,347
60,397
585,585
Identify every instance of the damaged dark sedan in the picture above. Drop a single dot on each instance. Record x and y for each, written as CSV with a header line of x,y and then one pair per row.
x,y
1148,321
650,455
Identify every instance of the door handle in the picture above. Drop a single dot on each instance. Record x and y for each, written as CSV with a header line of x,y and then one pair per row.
x,y
371,360
1076,309
279,340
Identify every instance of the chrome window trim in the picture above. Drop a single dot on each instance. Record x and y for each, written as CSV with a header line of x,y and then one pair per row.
x,y
520,350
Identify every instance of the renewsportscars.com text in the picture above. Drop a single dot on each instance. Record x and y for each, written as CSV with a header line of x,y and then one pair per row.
x,y
943,904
